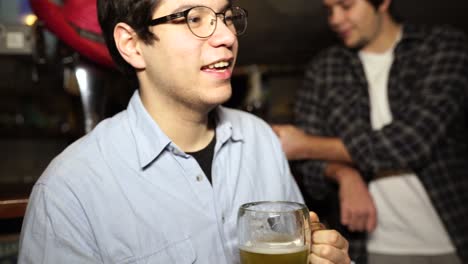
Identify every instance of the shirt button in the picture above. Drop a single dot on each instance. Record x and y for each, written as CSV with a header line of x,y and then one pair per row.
x,y
223,219
199,178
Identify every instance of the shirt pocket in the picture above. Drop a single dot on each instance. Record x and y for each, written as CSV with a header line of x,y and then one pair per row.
x,y
178,252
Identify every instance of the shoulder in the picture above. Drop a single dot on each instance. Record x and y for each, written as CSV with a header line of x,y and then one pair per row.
x,y
331,53
446,32
436,36
449,40
329,60
327,70
85,156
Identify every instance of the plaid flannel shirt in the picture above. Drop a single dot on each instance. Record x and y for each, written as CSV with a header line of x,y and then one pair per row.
x,y
427,91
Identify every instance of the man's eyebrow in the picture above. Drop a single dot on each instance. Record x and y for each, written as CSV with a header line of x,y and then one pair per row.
x,y
187,6
182,8
334,2
226,6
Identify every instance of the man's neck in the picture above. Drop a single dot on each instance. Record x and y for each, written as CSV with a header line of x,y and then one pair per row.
x,y
188,128
386,36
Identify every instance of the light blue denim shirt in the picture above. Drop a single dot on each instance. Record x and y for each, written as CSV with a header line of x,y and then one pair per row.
x,y
125,193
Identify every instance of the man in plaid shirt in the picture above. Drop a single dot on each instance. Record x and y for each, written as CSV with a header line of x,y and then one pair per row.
x,y
381,124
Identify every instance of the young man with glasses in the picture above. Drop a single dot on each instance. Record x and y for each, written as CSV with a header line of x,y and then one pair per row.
x,y
383,127
161,182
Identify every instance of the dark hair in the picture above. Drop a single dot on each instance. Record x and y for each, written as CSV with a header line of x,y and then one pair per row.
x,y
375,3
135,13
391,9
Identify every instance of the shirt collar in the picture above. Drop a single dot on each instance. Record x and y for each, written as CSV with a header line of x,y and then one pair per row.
x,y
225,129
151,141
149,138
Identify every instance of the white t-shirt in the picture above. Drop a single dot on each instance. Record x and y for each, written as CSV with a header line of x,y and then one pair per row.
x,y
407,221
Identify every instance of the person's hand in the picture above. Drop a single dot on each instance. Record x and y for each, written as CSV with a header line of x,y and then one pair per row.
x,y
358,211
328,246
292,140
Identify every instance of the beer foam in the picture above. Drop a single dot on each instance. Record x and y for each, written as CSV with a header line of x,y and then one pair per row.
x,y
273,250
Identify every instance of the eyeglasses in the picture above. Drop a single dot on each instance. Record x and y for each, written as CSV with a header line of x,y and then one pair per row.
x,y
202,20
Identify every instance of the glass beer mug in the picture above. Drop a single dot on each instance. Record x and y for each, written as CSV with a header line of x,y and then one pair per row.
x,y
273,232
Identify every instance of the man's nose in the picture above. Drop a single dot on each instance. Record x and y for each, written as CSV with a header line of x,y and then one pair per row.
x,y
224,34
336,16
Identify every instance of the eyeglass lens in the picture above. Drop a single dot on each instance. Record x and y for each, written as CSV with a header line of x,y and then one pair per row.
x,y
202,21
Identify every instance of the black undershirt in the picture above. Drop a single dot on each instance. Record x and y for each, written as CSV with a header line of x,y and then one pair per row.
x,y
204,157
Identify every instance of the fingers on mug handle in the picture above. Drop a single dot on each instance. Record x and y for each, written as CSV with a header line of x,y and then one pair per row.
x,y
315,226
315,222
313,217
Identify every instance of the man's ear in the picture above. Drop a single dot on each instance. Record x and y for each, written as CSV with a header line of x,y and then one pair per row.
x,y
384,6
128,45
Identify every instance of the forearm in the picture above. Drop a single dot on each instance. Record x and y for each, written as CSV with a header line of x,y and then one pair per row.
x,y
357,209
428,118
332,171
325,148
342,173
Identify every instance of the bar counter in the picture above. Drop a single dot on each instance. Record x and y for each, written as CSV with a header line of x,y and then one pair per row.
x,y
14,199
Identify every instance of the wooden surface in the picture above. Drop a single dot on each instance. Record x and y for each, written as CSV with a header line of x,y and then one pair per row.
x,y
13,200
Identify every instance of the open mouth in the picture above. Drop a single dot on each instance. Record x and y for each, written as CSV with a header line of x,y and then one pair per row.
x,y
218,66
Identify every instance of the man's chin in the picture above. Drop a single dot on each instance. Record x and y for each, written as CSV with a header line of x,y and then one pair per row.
x,y
353,45
221,96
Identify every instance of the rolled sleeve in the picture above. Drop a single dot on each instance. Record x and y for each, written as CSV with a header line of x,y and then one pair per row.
x,y
422,119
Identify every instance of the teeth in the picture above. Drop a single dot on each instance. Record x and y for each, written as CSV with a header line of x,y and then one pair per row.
x,y
221,64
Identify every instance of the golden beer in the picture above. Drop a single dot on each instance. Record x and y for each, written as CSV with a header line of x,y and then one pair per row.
x,y
296,255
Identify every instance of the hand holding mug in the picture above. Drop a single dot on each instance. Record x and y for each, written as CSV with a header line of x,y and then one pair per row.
x,y
280,233
328,246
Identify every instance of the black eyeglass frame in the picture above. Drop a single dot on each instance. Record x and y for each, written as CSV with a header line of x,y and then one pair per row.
x,y
168,18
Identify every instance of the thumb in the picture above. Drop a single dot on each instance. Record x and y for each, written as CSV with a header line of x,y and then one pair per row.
x,y
315,222
313,217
